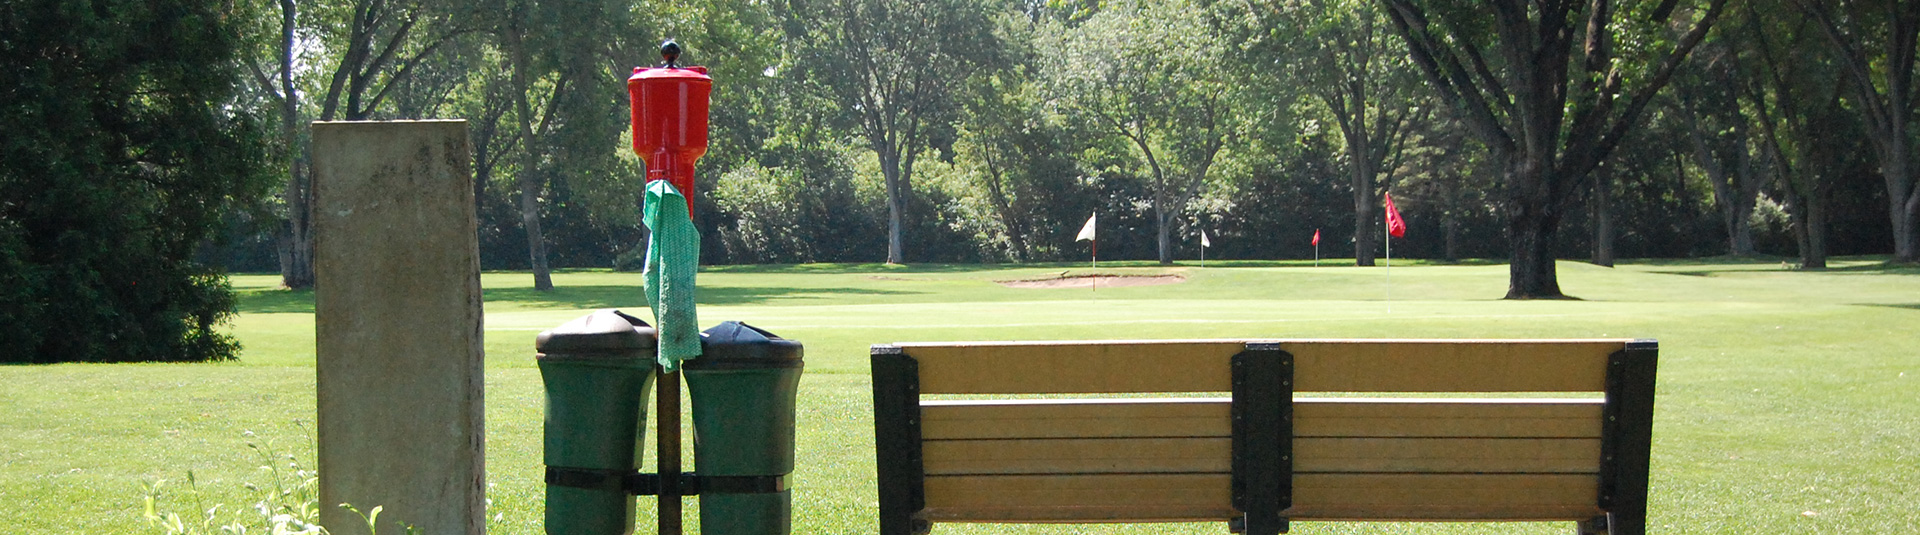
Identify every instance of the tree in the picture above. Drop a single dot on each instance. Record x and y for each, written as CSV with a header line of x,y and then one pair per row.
x,y
1710,109
363,54
893,66
1551,87
1023,161
1133,70
1353,67
1802,119
125,142
1876,43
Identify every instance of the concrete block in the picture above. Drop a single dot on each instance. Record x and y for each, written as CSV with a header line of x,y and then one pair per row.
x,y
397,313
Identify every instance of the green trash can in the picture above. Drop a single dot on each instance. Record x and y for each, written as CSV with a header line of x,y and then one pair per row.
x,y
598,370
742,389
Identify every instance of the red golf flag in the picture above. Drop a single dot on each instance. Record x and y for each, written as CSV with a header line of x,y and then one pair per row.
x,y
1396,227
1316,237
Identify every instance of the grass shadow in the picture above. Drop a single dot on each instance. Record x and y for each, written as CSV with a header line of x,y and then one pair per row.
x,y
274,301
607,296
283,301
845,269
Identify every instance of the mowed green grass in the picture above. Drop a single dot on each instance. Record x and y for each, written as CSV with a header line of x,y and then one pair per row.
x,y
1788,401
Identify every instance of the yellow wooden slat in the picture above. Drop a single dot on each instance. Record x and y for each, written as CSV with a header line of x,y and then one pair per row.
x,y
1448,455
1074,367
1079,498
1153,498
1056,418
1078,456
1443,496
1451,365
1429,417
1094,367
1414,513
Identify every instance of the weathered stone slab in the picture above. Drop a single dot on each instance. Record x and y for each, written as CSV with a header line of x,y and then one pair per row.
x,y
397,310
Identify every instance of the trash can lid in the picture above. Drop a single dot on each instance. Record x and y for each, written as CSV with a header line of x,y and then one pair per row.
x,y
737,345
605,333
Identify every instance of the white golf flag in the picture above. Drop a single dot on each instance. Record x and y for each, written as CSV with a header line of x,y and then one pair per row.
x,y
1203,240
1086,232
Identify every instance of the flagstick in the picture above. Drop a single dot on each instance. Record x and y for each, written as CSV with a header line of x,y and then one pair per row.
x,y
1389,239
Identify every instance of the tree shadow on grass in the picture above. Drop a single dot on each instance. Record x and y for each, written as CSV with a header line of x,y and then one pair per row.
x,y
843,269
274,301
572,297
607,296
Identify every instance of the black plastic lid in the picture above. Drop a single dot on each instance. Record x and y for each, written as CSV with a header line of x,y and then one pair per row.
x,y
605,333
737,345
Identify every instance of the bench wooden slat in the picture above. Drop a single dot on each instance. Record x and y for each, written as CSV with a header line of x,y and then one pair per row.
x,y
1207,417
1451,365
1213,455
1429,417
1080,498
1078,456
1320,365
1450,496
1202,497
1047,418
1448,455
1074,367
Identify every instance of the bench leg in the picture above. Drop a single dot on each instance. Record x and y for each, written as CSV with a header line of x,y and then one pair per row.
x,y
1627,521
1592,526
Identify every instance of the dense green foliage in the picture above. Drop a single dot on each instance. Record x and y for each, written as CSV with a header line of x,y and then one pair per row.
x,y
123,148
992,128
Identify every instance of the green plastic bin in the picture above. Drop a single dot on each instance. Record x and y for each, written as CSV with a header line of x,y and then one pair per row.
x,y
598,370
742,388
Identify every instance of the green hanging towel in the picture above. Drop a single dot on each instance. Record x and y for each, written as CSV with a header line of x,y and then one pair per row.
x,y
673,257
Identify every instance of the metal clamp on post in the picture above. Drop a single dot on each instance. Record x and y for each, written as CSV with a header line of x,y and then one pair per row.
x,y
588,478
690,483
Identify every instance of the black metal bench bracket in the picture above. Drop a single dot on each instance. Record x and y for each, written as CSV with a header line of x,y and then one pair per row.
x,y
1262,437
1626,440
896,431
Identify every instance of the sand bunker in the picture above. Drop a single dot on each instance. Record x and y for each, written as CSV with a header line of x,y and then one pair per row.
x,y
1089,281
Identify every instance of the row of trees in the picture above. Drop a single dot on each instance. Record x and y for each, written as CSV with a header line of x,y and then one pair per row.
x,y
987,130
965,130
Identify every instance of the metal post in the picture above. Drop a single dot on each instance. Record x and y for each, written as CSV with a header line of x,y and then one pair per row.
x,y
667,405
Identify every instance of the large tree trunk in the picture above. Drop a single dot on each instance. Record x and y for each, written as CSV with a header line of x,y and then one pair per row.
x,y
1814,256
528,177
1016,231
295,242
1363,200
1896,167
1903,204
896,205
1163,232
1530,235
1809,214
1602,220
1533,224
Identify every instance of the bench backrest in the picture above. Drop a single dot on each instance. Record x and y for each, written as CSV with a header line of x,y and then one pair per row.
x,y
1214,430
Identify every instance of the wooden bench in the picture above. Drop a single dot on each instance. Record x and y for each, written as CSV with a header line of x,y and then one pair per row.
x,y
1138,431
